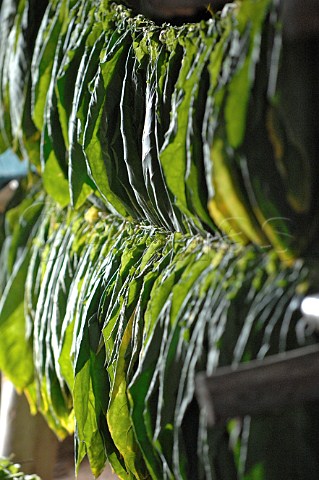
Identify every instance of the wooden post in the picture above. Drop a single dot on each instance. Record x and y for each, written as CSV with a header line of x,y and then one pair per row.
x,y
26,438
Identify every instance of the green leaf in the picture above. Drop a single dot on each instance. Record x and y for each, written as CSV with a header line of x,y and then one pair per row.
x,y
102,168
118,414
43,57
13,344
55,182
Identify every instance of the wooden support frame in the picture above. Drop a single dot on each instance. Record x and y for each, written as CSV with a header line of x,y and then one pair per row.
x,y
260,386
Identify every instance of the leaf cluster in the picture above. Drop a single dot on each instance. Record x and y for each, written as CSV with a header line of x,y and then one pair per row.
x,y
164,236
10,470
188,128
117,318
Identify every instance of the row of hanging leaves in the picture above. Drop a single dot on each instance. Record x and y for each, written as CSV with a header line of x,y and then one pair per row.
x,y
113,320
160,120
180,138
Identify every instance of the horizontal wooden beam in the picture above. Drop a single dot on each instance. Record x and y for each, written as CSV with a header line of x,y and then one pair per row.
x,y
260,386
300,18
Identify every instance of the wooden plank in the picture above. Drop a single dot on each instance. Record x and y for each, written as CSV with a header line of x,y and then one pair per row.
x,y
260,386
